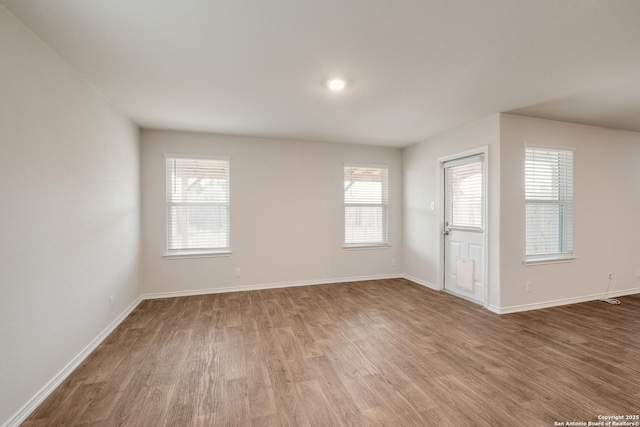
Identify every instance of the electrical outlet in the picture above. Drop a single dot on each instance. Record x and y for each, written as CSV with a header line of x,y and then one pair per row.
x,y
111,301
529,286
237,272
393,261
637,274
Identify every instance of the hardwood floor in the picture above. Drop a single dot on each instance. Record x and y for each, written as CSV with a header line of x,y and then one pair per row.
x,y
379,353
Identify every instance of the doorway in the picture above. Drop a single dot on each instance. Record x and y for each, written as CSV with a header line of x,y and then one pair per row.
x,y
464,226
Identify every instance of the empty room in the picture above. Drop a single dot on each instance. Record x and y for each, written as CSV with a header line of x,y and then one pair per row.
x,y
319,213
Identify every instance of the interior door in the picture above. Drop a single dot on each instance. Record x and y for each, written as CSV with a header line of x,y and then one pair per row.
x,y
464,228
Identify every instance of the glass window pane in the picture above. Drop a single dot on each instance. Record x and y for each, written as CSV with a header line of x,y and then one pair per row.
x,y
366,205
365,224
549,202
197,204
464,185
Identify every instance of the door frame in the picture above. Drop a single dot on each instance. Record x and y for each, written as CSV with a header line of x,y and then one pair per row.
x,y
484,152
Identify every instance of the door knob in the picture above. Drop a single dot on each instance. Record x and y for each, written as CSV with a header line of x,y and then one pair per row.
x,y
446,232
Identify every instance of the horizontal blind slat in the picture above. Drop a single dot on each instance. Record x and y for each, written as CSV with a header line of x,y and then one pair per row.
x,y
464,195
366,201
197,204
549,201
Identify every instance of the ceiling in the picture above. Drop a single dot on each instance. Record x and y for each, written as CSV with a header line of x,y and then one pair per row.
x,y
415,67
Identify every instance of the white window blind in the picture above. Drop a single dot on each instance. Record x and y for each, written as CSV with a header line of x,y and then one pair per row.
x,y
549,203
464,193
197,205
366,206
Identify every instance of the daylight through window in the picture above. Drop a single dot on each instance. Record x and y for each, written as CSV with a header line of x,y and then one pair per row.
x,y
366,206
197,205
549,203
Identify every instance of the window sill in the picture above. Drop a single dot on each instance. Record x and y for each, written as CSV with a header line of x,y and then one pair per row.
x,y
549,260
365,247
195,254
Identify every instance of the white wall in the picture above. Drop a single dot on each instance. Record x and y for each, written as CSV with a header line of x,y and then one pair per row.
x,y
286,213
607,209
422,182
69,214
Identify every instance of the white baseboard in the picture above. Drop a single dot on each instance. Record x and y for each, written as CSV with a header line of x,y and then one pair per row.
x,y
421,282
493,308
48,388
44,392
226,289
564,301
535,306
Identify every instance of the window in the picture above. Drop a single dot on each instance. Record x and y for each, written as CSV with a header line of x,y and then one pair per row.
x,y
197,205
549,203
366,206
464,193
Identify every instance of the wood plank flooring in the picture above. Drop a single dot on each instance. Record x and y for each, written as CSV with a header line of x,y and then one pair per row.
x,y
378,353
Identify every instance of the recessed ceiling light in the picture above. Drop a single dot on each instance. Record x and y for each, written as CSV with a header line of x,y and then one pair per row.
x,y
336,84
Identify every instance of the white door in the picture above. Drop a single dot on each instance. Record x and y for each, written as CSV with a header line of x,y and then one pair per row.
x,y
464,228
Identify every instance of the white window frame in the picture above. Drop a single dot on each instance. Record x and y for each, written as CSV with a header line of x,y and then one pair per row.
x,y
196,253
385,208
566,199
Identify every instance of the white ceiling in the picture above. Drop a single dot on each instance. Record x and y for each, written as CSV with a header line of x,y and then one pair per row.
x,y
415,67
